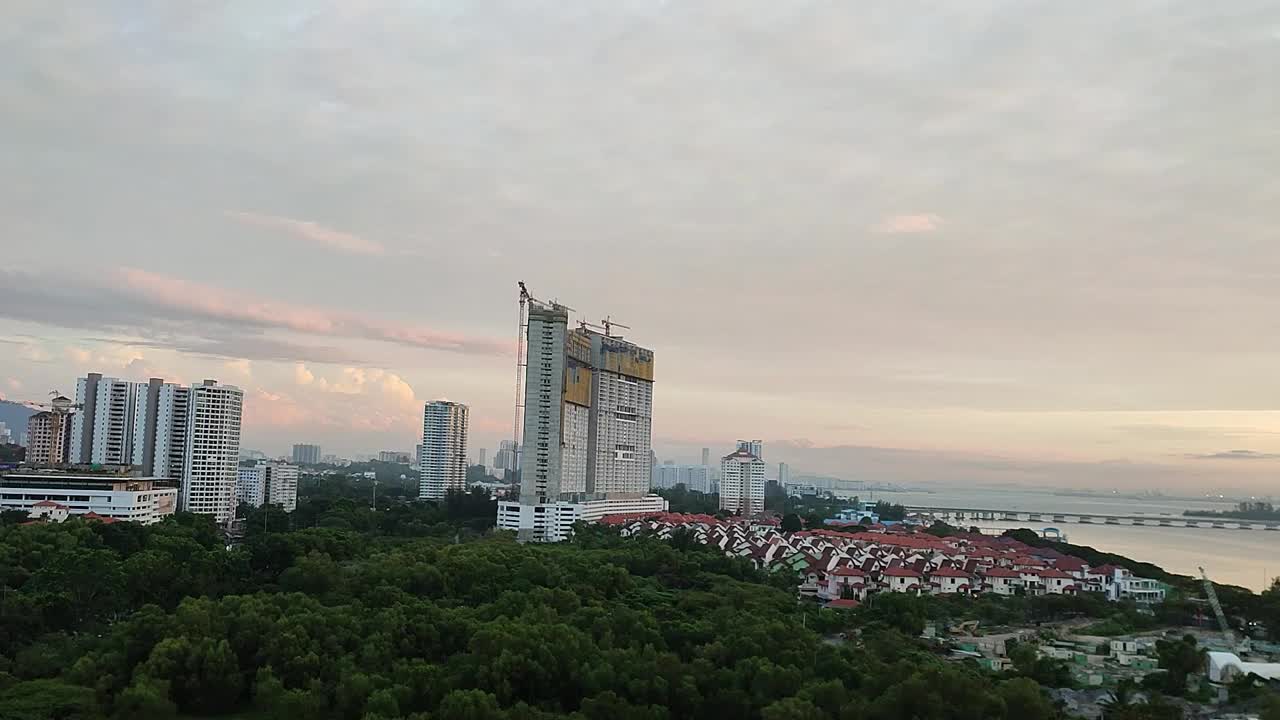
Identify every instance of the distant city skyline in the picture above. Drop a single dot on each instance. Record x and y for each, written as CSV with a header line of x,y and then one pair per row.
x,y
892,243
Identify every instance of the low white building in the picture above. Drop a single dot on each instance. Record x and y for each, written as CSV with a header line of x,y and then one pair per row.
x,y
49,511
553,522
141,500
1225,667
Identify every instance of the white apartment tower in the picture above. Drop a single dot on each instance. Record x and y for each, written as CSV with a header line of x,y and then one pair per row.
x,y
128,423
275,483
102,432
170,423
742,483
213,450
443,464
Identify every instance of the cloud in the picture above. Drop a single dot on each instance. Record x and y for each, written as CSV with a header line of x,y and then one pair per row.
x,y
170,312
908,224
312,232
13,384
214,303
239,366
395,387
1234,455
301,375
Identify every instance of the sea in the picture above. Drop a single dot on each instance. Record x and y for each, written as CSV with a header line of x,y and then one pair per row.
x,y
1246,558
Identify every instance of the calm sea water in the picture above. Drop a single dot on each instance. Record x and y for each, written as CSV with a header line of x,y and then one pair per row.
x,y
1235,557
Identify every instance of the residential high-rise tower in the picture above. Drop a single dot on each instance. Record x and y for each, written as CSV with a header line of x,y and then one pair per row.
x,y
273,483
213,450
306,454
742,483
443,465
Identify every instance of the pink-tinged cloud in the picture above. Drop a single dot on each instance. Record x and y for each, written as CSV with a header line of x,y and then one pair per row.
x,y
909,224
311,232
218,304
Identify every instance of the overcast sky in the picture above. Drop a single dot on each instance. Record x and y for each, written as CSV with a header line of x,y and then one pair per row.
x,y
1033,236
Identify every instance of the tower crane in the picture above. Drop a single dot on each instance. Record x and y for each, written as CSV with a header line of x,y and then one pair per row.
x,y
522,364
1212,594
607,325
57,403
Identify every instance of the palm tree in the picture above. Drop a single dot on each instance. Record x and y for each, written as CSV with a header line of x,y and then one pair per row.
x,y
1122,697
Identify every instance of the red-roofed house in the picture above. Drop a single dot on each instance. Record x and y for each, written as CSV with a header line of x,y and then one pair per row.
x,y
842,604
947,580
48,511
1056,582
902,579
846,580
1073,566
1003,581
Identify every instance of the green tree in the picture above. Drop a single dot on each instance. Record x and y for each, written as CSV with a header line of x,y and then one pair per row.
x,y
1025,700
469,705
792,709
791,523
47,700
145,698
203,675
1179,658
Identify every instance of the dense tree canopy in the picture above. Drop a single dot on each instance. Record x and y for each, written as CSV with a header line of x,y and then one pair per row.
x,y
340,611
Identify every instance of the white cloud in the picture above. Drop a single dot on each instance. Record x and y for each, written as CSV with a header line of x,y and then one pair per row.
x,y
301,375
240,367
909,224
312,232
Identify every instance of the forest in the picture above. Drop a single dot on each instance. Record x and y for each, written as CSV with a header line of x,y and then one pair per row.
x,y
418,611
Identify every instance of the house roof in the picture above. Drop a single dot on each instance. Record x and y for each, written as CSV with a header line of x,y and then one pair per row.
x,y
847,571
1070,564
1002,573
949,572
48,503
843,604
900,572
1054,574
1104,570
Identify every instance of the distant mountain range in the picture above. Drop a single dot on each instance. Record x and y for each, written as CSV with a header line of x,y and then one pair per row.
x,y
14,416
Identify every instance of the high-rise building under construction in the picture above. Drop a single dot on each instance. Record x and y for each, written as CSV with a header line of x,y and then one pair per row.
x,y
587,413
584,448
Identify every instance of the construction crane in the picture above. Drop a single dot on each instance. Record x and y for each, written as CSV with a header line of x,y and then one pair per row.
x,y
58,403
607,325
1217,609
522,365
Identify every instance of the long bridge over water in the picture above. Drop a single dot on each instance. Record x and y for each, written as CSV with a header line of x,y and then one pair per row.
x,y
977,515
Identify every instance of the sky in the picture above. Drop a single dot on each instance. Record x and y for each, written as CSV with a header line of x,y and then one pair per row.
x,y
970,242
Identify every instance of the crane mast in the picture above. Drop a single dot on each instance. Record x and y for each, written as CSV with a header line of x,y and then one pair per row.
x,y
1217,609
522,365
